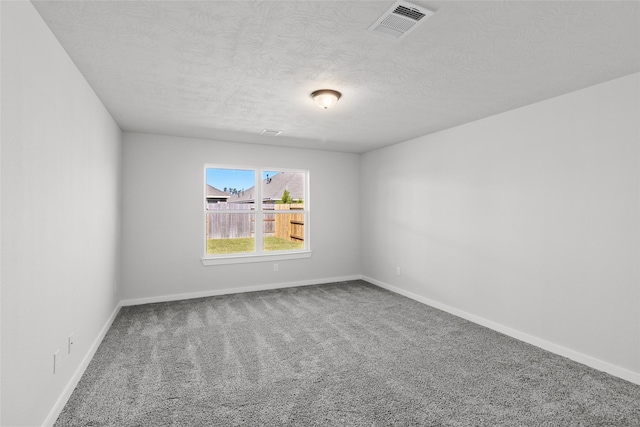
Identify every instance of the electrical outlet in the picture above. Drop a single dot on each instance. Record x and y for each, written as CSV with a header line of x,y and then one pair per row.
x,y
397,271
275,267
55,360
70,343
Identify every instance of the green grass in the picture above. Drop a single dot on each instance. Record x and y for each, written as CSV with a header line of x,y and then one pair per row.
x,y
244,245
229,246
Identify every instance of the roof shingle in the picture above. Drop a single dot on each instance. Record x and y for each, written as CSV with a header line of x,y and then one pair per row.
x,y
274,188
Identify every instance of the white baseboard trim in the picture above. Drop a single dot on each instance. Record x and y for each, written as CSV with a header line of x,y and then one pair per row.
x,y
590,361
75,379
227,291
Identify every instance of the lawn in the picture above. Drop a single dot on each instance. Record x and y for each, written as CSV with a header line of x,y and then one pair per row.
x,y
232,246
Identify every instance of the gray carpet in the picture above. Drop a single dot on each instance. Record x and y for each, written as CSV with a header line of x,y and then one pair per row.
x,y
341,354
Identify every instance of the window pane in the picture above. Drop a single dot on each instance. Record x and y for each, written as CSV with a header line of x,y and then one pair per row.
x,y
283,187
230,190
229,233
230,186
283,229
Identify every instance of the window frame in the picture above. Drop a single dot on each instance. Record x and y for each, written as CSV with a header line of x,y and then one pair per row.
x,y
259,255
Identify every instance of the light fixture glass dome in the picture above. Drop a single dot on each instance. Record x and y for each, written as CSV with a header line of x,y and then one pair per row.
x,y
326,98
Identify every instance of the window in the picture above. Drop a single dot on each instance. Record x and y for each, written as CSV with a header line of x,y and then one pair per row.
x,y
255,214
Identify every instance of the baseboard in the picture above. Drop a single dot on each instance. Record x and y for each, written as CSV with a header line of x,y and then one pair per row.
x,y
590,361
227,291
75,379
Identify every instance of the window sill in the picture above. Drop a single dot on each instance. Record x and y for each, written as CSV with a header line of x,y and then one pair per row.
x,y
243,259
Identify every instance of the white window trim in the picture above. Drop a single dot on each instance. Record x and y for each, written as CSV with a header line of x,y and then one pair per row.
x,y
240,259
259,255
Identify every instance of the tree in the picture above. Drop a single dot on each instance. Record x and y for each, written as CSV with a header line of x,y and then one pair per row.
x,y
286,197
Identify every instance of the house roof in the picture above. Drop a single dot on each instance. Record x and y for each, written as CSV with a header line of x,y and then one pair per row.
x,y
214,193
273,190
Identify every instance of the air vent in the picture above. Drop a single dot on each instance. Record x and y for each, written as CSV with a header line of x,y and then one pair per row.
x,y
400,20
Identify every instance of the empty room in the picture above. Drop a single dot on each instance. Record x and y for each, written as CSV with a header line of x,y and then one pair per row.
x,y
320,213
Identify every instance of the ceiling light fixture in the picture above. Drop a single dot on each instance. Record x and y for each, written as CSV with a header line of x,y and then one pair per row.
x,y
326,98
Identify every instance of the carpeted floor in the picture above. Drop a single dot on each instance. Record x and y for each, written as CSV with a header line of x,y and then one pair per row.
x,y
341,354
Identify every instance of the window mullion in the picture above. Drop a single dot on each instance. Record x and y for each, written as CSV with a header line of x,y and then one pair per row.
x,y
259,222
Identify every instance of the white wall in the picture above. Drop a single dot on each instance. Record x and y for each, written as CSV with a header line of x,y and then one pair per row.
x,y
61,158
163,216
528,221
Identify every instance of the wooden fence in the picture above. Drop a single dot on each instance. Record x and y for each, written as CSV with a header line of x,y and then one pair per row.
x,y
287,226
221,225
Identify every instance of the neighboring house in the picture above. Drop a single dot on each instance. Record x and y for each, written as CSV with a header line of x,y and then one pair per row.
x,y
273,189
216,196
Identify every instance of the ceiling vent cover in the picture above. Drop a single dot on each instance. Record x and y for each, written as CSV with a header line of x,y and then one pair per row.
x,y
270,132
400,20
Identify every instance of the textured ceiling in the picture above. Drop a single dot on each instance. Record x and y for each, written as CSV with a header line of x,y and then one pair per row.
x,y
230,69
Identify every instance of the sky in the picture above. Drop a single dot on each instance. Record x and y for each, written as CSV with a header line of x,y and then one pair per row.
x,y
233,178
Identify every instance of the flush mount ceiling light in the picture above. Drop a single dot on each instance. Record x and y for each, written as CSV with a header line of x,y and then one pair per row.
x,y
326,98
